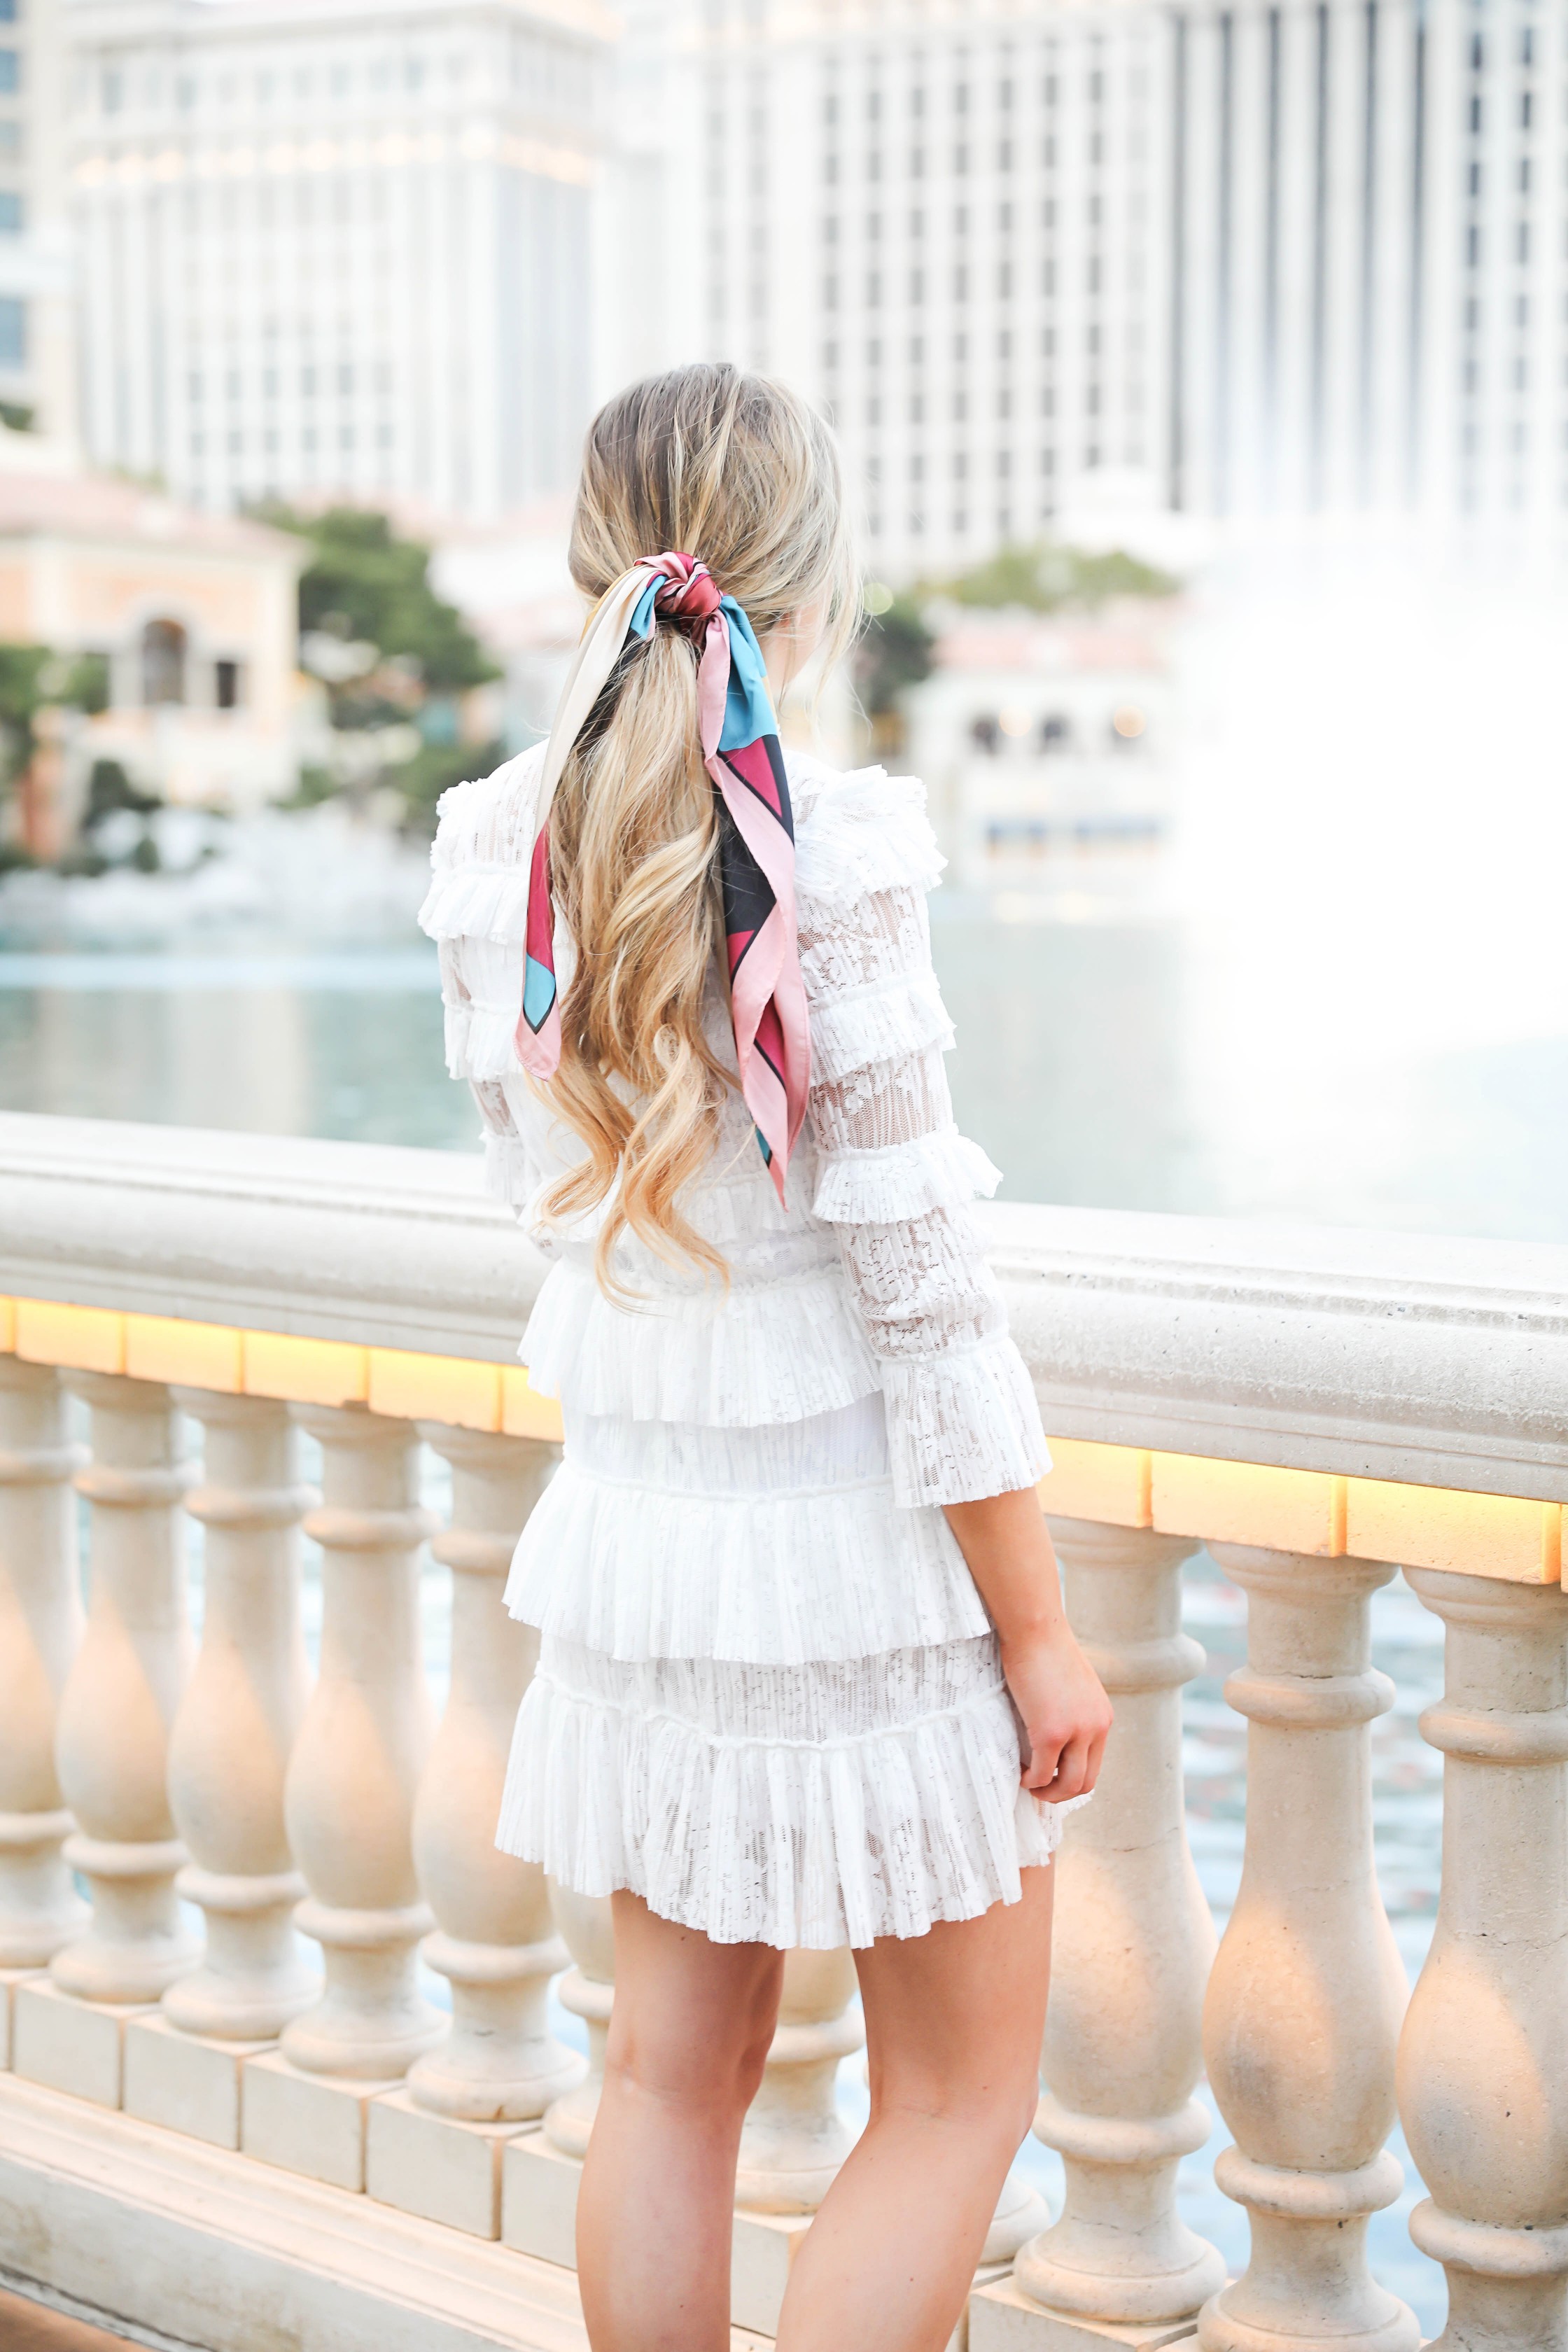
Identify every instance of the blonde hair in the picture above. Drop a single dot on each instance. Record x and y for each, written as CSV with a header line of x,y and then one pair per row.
x,y
734,469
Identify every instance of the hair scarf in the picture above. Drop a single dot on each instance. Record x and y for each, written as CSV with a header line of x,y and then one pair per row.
x,y
756,838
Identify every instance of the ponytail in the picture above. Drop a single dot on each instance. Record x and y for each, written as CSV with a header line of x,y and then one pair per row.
x,y
736,471
632,836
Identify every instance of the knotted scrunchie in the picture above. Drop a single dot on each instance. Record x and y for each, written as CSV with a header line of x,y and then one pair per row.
x,y
756,838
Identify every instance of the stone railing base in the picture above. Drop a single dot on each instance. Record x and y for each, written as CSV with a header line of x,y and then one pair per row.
x,y
142,2228
1002,2318
193,2245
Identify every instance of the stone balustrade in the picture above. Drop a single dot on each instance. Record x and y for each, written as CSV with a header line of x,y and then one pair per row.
x,y
275,2024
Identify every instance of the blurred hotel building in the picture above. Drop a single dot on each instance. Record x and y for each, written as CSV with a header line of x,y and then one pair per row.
x,y
336,247
1047,744
1289,258
38,348
192,616
1141,256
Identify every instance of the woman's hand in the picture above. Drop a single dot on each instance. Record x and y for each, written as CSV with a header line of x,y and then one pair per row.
x,y
1066,1714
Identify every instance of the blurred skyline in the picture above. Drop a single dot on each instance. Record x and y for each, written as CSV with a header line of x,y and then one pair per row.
x,y
1137,261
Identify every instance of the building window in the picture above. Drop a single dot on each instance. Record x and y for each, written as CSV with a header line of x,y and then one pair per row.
x,y
162,664
228,682
8,15
12,332
10,212
10,71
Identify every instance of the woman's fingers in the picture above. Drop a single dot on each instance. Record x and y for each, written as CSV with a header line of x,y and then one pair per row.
x,y
1065,1767
1072,1766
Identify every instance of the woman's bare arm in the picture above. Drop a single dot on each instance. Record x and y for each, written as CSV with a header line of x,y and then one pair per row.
x,y
1061,1698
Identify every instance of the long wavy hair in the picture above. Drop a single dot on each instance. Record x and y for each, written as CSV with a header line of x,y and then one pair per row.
x,y
734,469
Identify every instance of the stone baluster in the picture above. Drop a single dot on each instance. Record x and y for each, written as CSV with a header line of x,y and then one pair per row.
x,y
588,1991
115,1713
358,1756
40,1626
435,2146
495,1941
348,1802
121,1698
794,2139
1307,1988
539,2169
1483,2064
1133,1946
236,1725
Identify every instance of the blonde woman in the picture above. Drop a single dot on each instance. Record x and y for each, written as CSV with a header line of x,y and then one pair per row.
x,y
804,1676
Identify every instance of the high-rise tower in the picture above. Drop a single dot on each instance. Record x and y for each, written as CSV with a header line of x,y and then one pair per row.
x,y
1295,258
336,248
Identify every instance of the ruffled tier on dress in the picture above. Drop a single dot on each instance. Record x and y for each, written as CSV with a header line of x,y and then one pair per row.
x,y
810,1805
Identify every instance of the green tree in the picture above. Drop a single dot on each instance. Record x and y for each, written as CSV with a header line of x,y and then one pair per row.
x,y
33,678
364,584
1045,578
407,653
894,652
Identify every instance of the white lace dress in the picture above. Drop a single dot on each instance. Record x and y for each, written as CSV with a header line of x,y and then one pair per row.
x,y
768,1697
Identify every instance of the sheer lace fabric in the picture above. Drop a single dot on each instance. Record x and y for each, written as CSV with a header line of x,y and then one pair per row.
x,y
768,1695
818,1805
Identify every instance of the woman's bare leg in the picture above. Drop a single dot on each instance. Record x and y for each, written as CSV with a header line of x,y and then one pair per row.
x,y
954,2021
688,2033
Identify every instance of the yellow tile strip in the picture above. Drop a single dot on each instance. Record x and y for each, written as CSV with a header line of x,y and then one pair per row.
x,y
455,1389
1502,1536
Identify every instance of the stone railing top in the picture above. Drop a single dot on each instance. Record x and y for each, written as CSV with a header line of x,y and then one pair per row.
x,y
1404,1357
362,1242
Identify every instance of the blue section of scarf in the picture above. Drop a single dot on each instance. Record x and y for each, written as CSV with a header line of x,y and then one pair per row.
x,y
748,705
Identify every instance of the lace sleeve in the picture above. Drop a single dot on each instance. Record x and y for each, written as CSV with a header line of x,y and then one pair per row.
x,y
895,1178
475,911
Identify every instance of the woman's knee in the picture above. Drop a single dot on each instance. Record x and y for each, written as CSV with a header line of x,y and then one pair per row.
x,y
989,2095
708,2053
